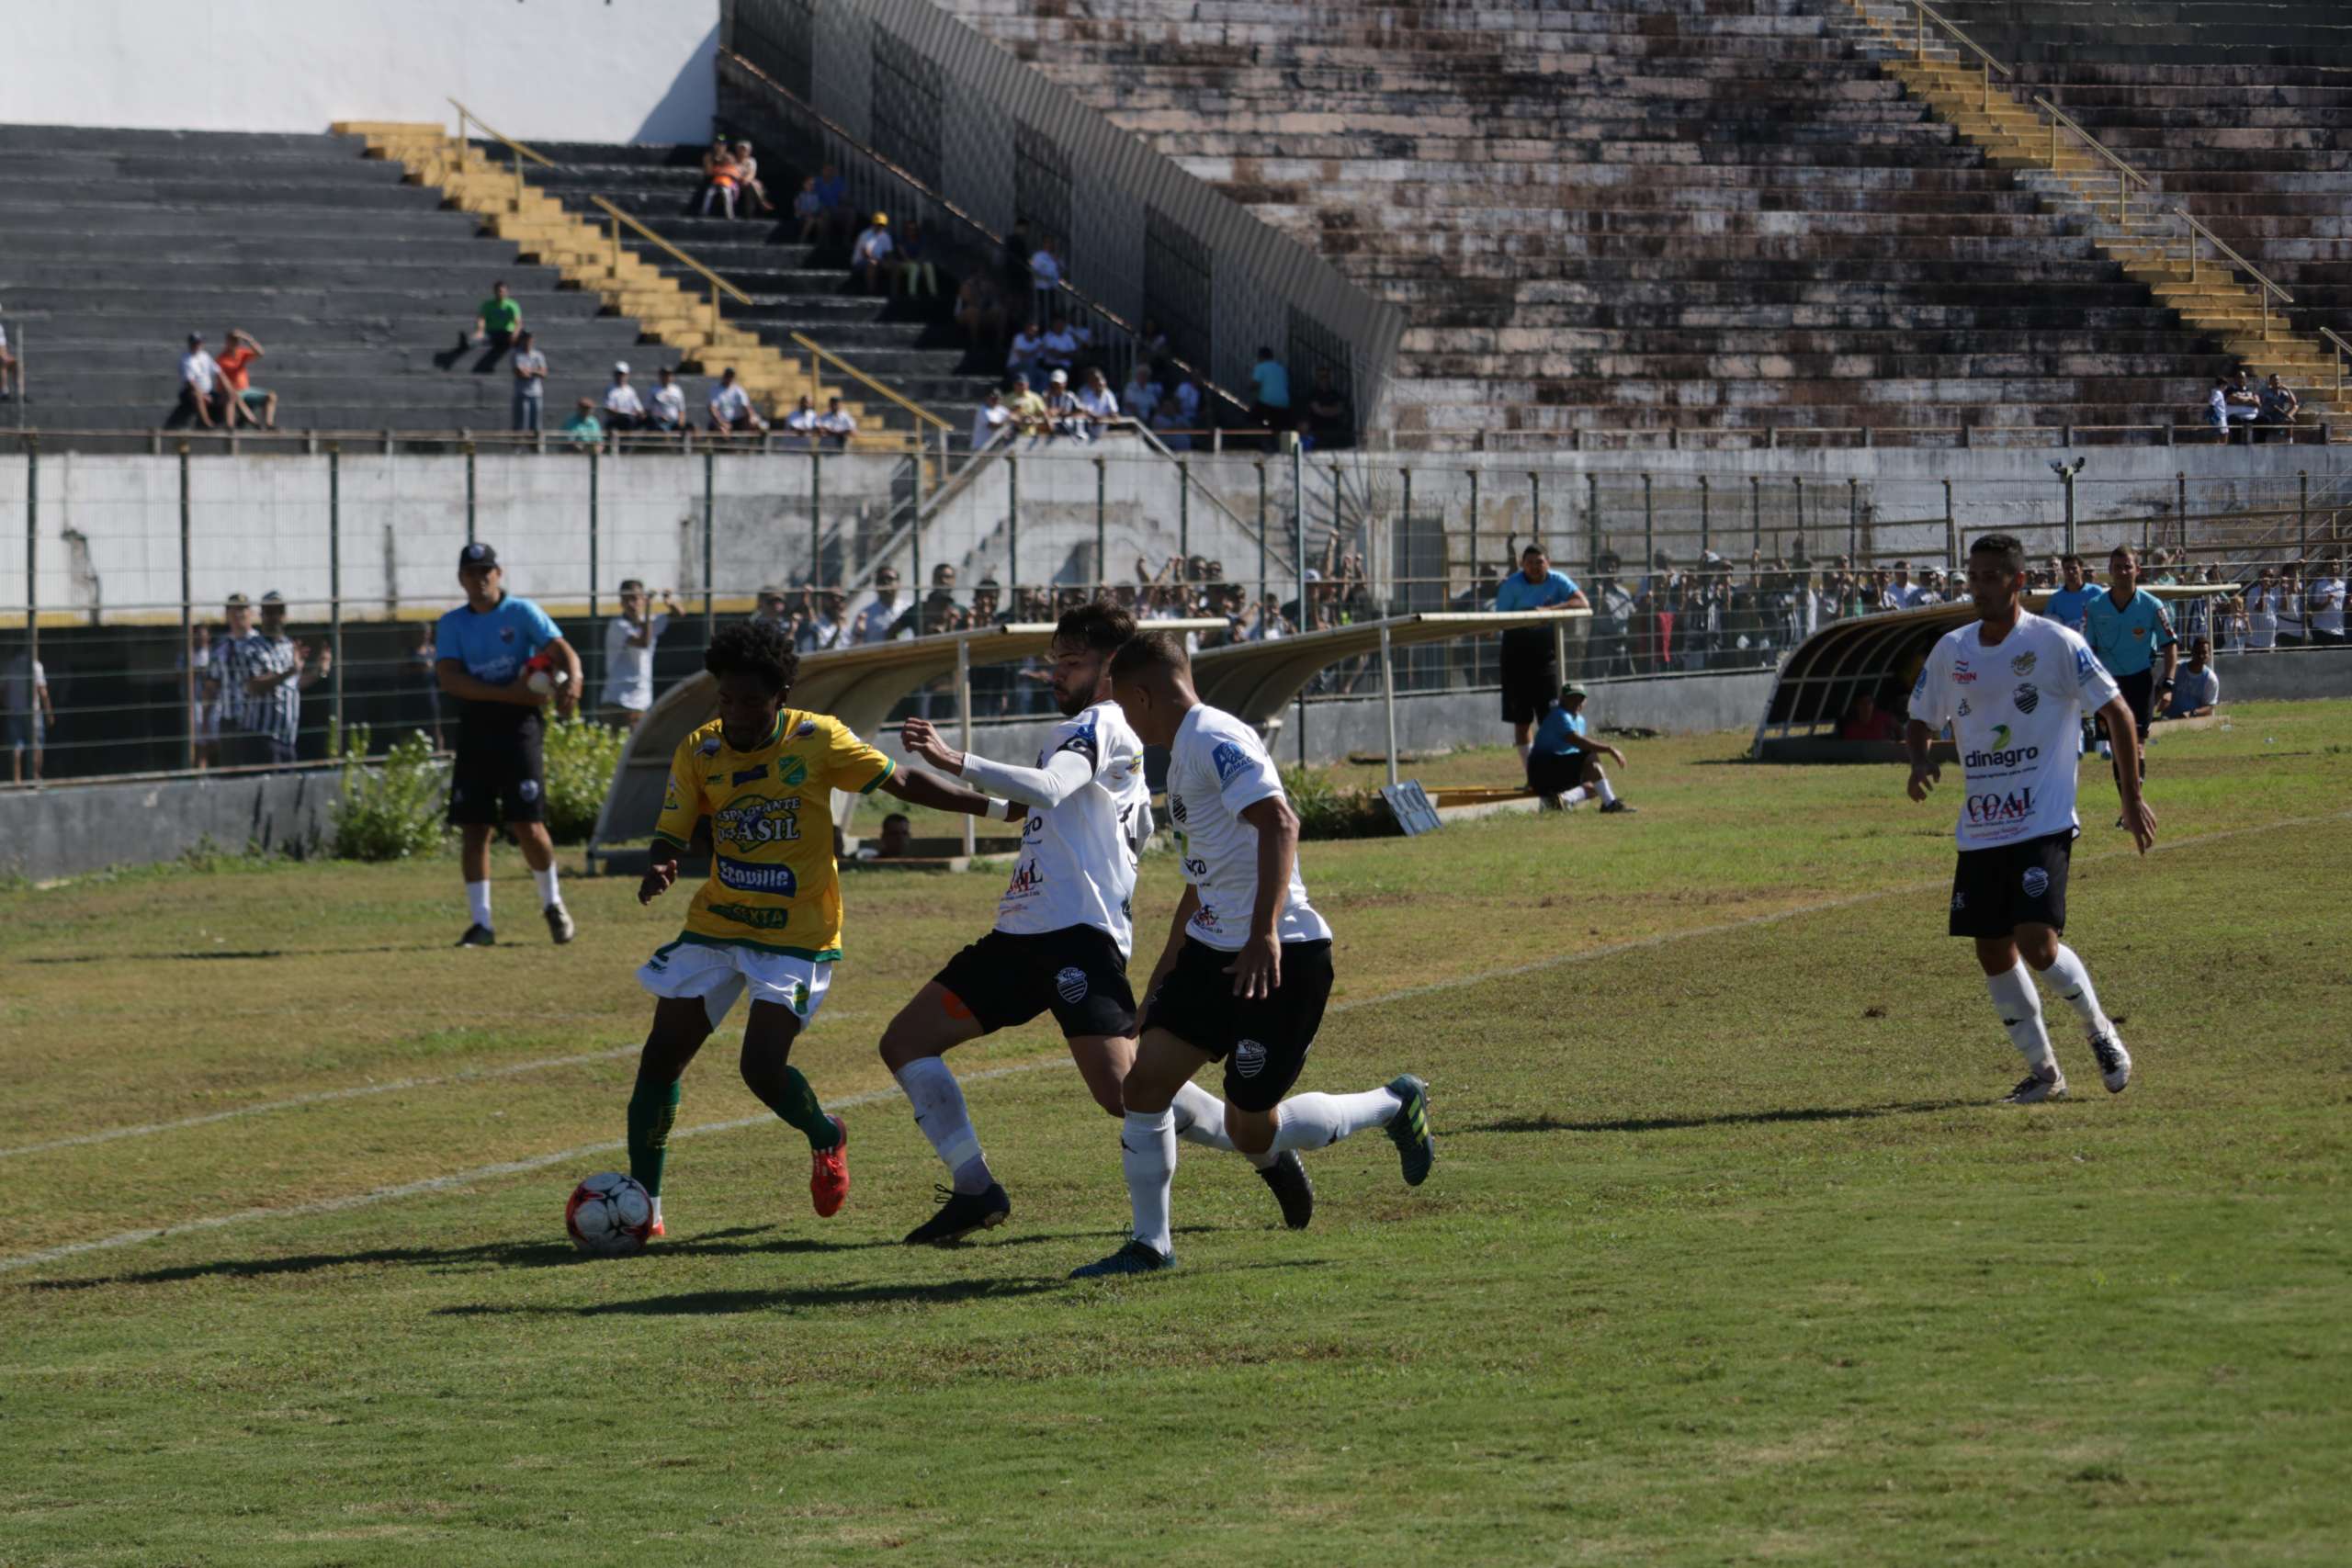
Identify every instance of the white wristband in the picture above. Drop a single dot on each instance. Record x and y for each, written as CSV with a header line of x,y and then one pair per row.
x,y
999,810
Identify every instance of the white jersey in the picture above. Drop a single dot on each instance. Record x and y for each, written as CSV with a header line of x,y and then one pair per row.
x,y
1077,853
2016,714
1217,769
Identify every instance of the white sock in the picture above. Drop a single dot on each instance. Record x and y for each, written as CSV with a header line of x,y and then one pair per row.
x,y
1148,1155
477,903
2073,983
2021,1007
550,898
938,1100
1200,1119
656,1211
1317,1120
1576,796
1607,796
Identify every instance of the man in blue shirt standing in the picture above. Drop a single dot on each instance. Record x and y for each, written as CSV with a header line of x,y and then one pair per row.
x,y
504,661
1530,665
2127,627
1564,763
2068,604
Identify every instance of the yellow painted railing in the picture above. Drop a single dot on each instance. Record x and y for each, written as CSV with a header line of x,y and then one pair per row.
x,y
718,285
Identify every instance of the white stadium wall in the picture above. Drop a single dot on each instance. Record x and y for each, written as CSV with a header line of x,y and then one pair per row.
x,y
549,70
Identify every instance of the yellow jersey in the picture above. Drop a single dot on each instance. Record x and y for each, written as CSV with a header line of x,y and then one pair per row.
x,y
772,882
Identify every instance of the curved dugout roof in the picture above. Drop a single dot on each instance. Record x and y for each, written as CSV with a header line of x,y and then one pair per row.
x,y
1881,655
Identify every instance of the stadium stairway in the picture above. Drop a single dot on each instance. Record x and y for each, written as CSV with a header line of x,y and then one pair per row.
x,y
2136,226
1637,214
115,244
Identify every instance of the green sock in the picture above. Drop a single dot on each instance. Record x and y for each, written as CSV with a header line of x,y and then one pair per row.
x,y
797,1103
652,1110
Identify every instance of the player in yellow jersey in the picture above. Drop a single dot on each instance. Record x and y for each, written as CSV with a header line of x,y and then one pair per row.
x,y
769,920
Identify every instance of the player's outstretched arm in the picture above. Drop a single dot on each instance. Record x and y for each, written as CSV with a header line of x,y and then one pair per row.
x,y
918,788
1063,775
1917,738
661,871
2123,734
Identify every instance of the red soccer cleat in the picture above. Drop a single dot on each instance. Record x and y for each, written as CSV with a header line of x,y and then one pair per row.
x,y
828,1175
658,1232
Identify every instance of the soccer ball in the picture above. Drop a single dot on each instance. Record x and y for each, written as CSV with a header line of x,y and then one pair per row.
x,y
609,1215
542,677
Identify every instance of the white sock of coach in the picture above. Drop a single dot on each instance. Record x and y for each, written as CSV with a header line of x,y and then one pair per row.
x,y
940,1112
550,894
1318,1121
1607,796
2019,1005
2074,984
1148,1155
477,903
1576,796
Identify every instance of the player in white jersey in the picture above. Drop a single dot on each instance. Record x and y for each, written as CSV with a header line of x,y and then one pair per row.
x,y
1063,932
1246,967
2015,687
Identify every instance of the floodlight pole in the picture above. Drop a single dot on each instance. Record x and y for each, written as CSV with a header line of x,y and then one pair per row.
x,y
1388,696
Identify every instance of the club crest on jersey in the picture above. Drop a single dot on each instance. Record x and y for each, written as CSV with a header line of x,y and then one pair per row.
x,y
1228,760
2027,697
1249,1058
2036,881
1070,985
792,773
2021,666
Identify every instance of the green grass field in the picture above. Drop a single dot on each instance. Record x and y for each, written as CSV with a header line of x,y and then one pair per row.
x,y
1729,1256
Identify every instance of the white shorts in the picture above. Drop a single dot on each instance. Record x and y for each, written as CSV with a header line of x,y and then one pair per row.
x,y
720,974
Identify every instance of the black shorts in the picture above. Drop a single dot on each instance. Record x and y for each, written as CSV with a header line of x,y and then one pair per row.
x,y
1077,973
1995,891
1262,1043
499,775
1557,773
1531,670
2140,693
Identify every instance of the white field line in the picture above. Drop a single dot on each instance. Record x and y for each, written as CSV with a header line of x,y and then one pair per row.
x,y
516,1167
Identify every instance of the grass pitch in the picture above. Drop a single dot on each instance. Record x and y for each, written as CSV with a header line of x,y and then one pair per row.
x,y
1728,1256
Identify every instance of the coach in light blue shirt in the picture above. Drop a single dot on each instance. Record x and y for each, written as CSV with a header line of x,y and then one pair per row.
x,y
2069,605
1530,666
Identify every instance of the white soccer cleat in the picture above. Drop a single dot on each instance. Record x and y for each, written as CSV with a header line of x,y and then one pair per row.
x,y
2114,1061
2037,1087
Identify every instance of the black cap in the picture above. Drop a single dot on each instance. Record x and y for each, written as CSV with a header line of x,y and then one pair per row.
x,y
273,597
477,554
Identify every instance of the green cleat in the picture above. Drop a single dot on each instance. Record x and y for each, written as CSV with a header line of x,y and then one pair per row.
x,y
1409,1128
1135,1257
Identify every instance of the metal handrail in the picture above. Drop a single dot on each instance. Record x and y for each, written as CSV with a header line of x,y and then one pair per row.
x,y
851,371
996,242
466,115
2222,245
673,252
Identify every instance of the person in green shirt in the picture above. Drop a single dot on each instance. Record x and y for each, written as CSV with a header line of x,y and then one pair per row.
x,y
496,322
583,429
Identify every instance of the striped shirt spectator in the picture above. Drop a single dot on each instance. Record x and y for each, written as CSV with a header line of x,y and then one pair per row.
x,y
261,674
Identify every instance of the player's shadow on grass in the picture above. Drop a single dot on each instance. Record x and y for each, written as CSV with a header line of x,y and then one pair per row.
x,y
1728,1119
716,1304
202,955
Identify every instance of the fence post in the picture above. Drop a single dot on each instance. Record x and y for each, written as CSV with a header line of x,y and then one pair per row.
x,y
1952,533
1592,523
1649,525
1298,563
1756,511
1706,523
32,564
1388,695
1473,538
1261,531
914,527
816,521
2180,502
1012,530
334,586
1102,528
2302,514
2067,475
187,616
595,564
1535,503
470,492
1798,481
1853,516
709,552
1184,505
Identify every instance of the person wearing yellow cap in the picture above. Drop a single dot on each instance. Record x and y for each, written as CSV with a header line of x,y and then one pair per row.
x,y
869,258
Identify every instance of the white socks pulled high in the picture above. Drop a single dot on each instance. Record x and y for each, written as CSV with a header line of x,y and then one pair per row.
x,y
2019,1005
477,903
1318,1121
1148,1156
940,1112
2073,983
551,897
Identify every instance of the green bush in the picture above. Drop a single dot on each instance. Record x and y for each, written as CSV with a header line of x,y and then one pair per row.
x,y
390,809
1327,811
580,756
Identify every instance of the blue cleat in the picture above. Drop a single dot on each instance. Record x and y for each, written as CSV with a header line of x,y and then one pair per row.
x,y
1135,1257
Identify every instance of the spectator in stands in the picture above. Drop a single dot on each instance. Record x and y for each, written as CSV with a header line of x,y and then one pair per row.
x,y
1178,415
731,412
497,319
530,384
809,207
262,674
1271,406
2195,687
623,409
583,429
721,177
1151,342
1564,760
2291,605
828,628
801,426
913,270
26,711
2324,605
979,310
1140,396
1057,350
990,420
2231,619
1905,592
629,637
1865,720
1330,423
1098,404
238,397
770,607
896,838
747,175
199,385
1028,348
1530,667
1028,408
879,620
869,256
1062,414
836,426
833,195
2262,612
666,409
1045,278
2243,403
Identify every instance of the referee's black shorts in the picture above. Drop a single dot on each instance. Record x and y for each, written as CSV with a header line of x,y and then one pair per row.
x,y
500,775
2139,689
1531,670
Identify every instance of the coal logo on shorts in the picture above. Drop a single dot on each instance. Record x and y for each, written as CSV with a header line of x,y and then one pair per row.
x,y
1249,1058
1070,984
2027,697
2037,882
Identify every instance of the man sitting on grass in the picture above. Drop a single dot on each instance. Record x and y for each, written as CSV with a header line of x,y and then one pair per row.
x,y
2195,687
1564,758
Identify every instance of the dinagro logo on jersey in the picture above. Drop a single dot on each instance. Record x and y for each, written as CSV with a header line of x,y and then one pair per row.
x,y
752,820
2003,754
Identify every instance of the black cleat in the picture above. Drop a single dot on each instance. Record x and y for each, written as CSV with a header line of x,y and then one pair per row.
x,y
1287,1176
1609,806
1409,1128
559,924
1135,1257
961,1214
478,936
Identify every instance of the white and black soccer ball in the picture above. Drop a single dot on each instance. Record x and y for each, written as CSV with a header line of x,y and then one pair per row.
x,y
609,1215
